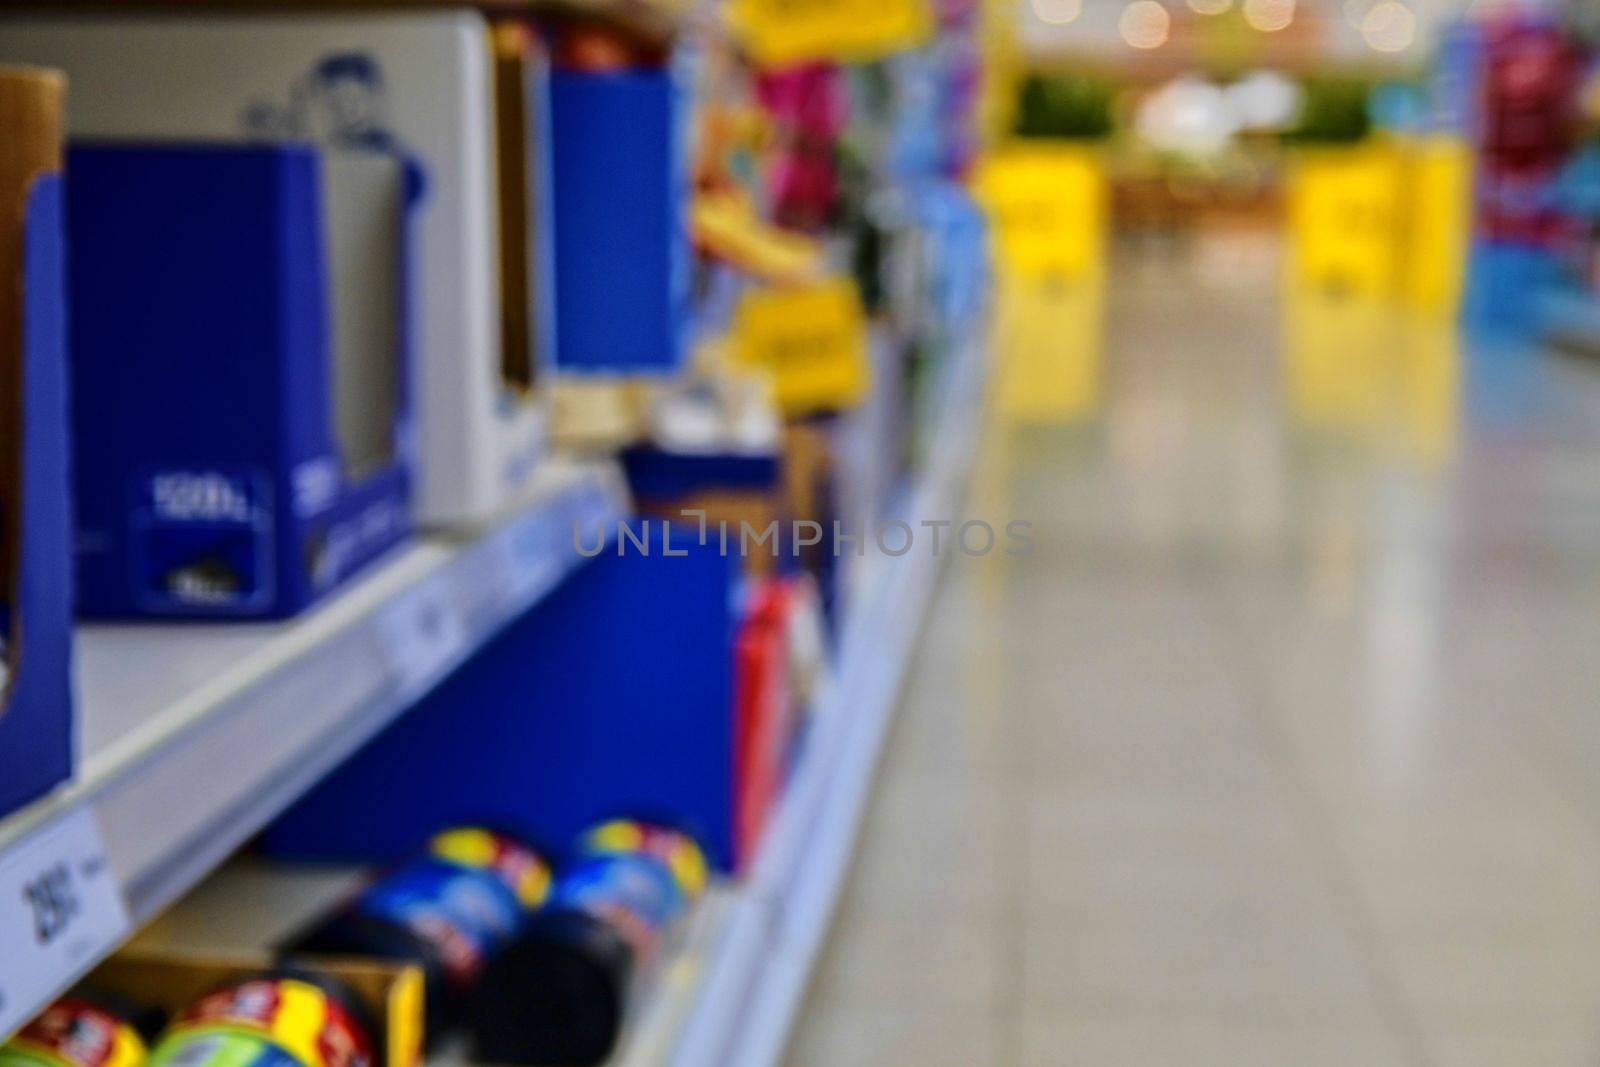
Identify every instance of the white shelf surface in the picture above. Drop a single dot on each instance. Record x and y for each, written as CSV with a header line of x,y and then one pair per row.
x,y
191,737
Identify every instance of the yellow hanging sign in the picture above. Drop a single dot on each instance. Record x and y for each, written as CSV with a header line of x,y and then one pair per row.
x,y
811,338
781,33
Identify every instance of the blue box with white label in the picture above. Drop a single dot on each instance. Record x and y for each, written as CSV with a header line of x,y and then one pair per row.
x,y
617,256
240,333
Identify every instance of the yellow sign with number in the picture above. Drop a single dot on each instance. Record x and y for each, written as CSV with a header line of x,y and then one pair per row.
x,y
781,33
811,338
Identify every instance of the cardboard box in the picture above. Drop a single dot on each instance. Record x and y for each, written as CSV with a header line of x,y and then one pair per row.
x,y
619,240
420,82
391,992
35,517
239,342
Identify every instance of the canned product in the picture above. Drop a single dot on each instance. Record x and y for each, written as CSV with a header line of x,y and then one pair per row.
x,y
81,1030
281,1018
558,994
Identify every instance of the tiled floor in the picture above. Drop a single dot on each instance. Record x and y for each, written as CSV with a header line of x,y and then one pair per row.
x,y
1283,748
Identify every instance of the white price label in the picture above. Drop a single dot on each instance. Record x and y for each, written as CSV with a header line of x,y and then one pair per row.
x,y
530,551
61,912
423,633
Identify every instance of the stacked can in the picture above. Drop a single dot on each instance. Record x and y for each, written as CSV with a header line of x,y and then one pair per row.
x,y
558,994
279,1018
81,1030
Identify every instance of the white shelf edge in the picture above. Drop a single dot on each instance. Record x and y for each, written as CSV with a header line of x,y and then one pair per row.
x,y
182,788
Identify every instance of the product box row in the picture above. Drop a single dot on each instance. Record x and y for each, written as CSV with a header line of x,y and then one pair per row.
x,y
319,269
278,288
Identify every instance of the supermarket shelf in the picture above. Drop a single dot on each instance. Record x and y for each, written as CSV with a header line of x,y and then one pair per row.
x,y
755,975
250,904
193,737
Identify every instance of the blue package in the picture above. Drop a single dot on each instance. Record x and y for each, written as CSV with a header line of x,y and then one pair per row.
x,y
618,240
208,470
36,700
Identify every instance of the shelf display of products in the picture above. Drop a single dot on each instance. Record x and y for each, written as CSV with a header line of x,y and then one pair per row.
x,y
1531,125
450,911
417,86
325,273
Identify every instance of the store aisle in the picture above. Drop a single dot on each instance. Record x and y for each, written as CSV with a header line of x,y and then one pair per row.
x,y
1281,749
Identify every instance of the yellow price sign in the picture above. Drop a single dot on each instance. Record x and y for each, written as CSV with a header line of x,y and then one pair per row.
x,y
1345,215
1047,205
811,338
780,33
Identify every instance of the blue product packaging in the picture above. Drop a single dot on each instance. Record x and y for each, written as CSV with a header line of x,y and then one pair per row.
x,y
449,910
617,247
241,333
35,516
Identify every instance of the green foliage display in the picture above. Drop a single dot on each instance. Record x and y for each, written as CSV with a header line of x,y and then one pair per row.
x,y
1063,105
1334,111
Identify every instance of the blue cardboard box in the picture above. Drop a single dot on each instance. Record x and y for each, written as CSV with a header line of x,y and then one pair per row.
x,y
243,438
612,697
617,246
36,597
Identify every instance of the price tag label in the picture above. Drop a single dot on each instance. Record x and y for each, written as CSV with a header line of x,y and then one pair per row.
x,y
61,912
532,553
423,634
813,338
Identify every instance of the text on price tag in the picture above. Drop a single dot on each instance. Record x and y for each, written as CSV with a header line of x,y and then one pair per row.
x,y
61,912
423,634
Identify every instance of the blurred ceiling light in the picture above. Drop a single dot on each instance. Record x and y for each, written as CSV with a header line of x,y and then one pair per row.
x,y
1210,7
1263,100
1389,26
1189,116
1145,24
1268,16
1057,12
